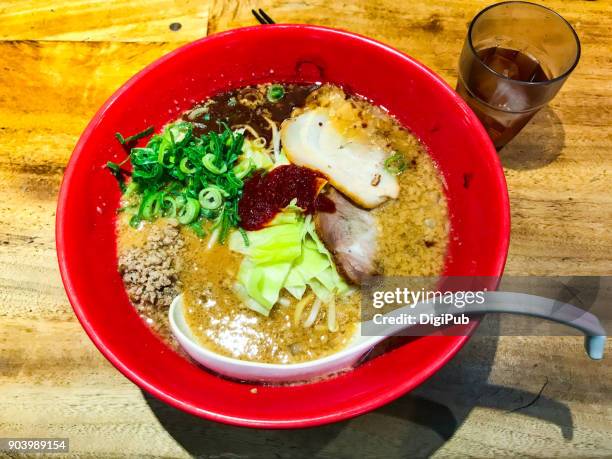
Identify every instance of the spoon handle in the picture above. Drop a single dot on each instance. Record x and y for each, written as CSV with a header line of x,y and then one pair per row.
x,y
518,303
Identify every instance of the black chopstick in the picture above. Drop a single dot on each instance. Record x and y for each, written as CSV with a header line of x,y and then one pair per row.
x,y
262,17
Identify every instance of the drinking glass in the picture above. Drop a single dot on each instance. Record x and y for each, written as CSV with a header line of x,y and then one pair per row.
x,y
516,57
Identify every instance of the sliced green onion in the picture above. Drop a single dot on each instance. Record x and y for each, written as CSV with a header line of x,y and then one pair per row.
x,y
169,181
147,206
396,163
180,132
189,212
209,163
234,181
153,173
184,168
210,214
158,205
180,201
166,153
275,92
145,155
126,140
210,198
130,189
117,172
197,228
245,236
169,206
113,166
225,224
135,221
244,168
223,192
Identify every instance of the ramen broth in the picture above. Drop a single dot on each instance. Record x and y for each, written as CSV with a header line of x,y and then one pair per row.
x,y
412,237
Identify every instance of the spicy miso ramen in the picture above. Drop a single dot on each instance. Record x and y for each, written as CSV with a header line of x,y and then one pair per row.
x,y
267,207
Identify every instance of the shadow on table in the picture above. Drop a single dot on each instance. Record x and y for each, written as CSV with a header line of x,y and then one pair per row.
x,y
537,145
415,425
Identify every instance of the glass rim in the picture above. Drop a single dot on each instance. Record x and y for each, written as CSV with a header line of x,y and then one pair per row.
x,y
526,83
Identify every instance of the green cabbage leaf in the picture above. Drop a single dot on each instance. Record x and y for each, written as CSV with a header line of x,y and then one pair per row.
x,y
287,254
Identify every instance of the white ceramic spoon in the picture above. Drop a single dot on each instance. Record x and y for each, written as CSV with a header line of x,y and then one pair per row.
x,y
495,302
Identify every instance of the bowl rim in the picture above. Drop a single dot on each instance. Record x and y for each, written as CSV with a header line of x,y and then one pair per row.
x,y
363,407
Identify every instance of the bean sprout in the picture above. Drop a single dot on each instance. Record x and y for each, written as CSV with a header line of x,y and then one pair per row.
x,y
331,315
193,114
275,139
314,312
213,238
251,98
299,307
260,142
284,301
247,127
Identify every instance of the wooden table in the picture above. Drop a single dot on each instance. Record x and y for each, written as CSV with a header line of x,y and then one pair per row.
x,y
59,61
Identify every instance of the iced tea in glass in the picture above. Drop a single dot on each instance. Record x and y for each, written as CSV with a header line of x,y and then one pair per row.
x,y
516,57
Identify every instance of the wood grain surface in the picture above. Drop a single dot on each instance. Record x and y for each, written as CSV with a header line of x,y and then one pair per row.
x,y
509,396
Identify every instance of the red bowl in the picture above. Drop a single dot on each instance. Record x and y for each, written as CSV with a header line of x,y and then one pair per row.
x,y
86,247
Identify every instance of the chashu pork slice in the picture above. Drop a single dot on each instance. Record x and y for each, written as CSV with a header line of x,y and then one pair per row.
x,y
353,166
350,234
